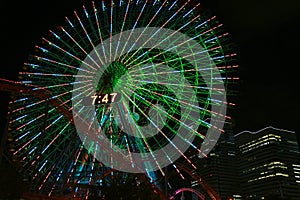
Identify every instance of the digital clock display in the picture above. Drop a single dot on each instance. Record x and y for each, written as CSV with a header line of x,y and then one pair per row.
x,y
99,99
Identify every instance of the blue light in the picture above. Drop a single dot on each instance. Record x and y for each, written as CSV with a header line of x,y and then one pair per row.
x,y
43,165
201,24
173,5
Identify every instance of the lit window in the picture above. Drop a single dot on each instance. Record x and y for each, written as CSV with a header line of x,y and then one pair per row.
x,y
280,174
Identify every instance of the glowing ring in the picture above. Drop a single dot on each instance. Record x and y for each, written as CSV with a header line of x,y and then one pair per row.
x,y
168,40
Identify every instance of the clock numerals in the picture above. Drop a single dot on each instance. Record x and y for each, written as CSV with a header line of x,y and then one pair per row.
x,y
105,98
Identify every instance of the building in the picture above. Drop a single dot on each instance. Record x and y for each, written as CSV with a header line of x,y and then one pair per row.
x,y
220,168
269,164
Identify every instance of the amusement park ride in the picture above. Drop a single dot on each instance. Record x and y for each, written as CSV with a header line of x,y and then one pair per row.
x,y
88,58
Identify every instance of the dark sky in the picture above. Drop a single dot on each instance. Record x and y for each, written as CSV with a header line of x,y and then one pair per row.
x,y
266,32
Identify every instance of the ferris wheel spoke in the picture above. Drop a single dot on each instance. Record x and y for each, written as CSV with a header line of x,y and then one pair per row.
x,y
90,41
166,137
110,30
159,54
179,72
188,105
68,53
99,32
53,62
155,33
81,48
122,28
198,107
132,29
56,137
185,41
171,116
149,23
148,146
185,125
46,178
66,84
43,151
155,15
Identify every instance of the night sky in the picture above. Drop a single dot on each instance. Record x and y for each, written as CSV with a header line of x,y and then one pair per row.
x,y
266,32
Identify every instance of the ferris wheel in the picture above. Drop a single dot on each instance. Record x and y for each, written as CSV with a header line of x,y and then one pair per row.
x,y
142,81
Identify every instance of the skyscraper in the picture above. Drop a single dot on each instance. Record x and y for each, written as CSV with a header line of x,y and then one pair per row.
x,y
220,169
269,164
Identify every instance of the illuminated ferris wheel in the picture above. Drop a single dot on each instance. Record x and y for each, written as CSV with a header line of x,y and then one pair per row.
x,y
142,81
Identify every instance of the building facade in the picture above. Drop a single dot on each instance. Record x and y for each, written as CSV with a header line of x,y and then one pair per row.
x,y
220,168
269,164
